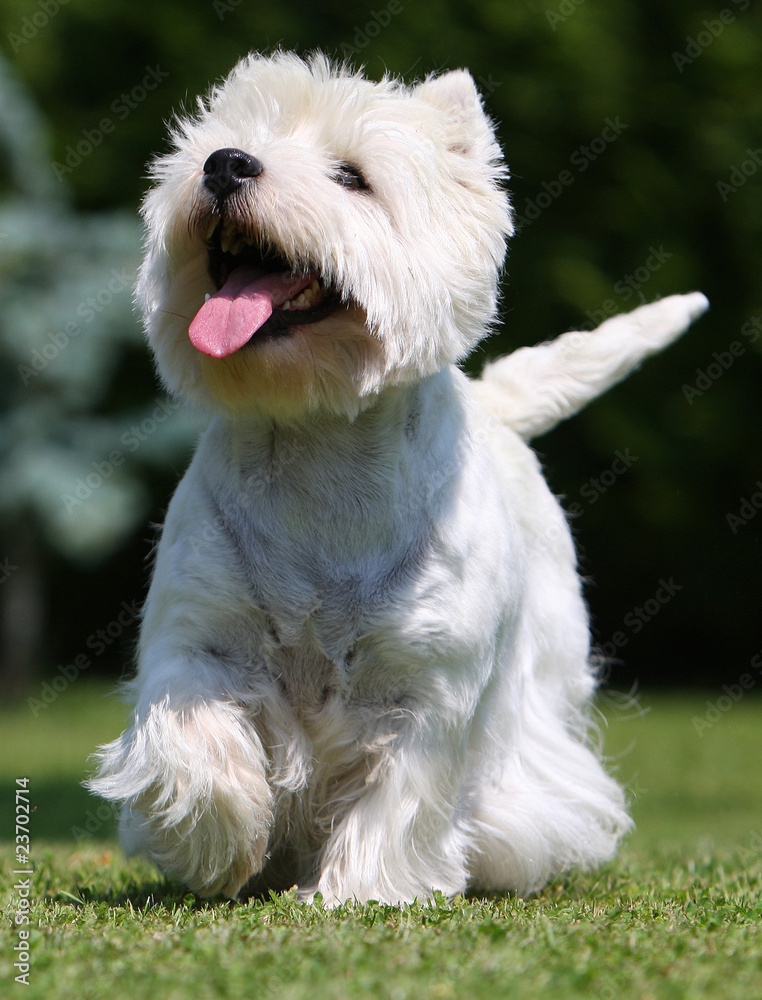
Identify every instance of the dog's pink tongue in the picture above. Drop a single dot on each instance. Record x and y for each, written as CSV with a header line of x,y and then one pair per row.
x,y
231,317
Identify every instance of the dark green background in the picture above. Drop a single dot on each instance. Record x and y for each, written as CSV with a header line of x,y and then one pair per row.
x,y
685,79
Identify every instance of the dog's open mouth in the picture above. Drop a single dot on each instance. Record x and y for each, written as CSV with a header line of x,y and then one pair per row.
x,y
260,294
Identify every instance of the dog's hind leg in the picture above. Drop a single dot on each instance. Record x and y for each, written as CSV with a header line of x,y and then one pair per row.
x,y
541,801
547,807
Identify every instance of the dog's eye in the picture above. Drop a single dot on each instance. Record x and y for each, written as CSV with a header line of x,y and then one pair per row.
x,y
350,177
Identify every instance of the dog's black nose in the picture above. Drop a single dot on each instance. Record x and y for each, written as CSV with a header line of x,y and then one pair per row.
x,y
226,169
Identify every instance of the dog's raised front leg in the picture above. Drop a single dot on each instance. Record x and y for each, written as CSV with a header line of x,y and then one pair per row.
x,y
191,775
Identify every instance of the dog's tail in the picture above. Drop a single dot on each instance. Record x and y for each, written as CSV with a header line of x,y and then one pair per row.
x,y
535,388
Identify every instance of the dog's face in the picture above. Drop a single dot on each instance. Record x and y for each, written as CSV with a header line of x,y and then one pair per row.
x,y
314,237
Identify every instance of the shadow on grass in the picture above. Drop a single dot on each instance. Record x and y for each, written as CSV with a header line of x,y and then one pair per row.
x,y
138,896
62,810
155,891
148,891
66,815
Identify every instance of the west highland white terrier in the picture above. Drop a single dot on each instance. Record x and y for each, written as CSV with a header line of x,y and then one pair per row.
x,y
364,663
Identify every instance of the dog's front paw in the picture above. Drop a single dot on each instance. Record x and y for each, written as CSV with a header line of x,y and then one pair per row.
x,y
195,793
210,858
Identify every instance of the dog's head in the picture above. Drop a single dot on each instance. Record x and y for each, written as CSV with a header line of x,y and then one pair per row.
x,y
313,237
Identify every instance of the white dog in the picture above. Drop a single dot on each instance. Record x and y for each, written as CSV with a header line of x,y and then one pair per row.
x,y
364,659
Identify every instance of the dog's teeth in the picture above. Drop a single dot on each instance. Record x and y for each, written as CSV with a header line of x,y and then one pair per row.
x,y
207,296
308,296
229,238
210,229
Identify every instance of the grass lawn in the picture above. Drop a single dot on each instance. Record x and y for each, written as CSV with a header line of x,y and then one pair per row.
x,y
678,914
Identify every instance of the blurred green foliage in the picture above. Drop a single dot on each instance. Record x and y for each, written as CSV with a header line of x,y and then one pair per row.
x,y
634,136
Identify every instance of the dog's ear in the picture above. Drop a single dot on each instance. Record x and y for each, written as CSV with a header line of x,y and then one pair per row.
x,y
469,131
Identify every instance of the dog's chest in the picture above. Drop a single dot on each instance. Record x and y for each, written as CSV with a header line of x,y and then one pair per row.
x,y
322,580
328,538
320,599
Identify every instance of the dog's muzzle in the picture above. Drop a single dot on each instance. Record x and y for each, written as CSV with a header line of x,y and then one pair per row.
x,y
260,292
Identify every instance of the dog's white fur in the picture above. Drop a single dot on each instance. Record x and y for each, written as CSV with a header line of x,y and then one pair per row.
x,y
364,659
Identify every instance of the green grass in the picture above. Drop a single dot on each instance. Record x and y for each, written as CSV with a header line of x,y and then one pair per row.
x,y
677,915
